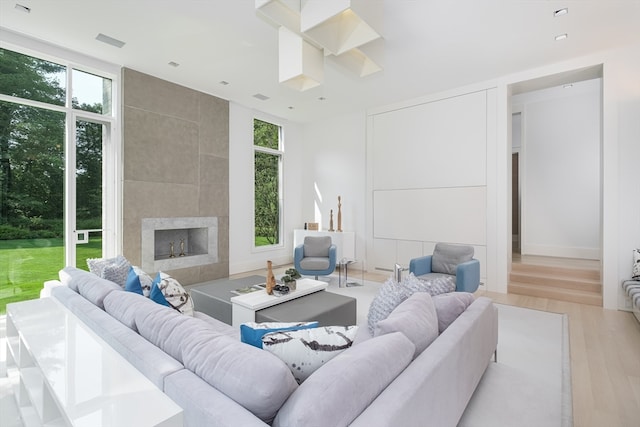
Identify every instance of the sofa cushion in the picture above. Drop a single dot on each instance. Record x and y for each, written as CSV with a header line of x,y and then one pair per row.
x,y
254,378
343,387
451,305
416,318
95,289
217,325
304,351
446,257
124,306
114,269
168,329
252,332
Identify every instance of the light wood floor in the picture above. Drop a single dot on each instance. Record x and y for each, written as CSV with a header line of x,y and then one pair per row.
x,y
605,357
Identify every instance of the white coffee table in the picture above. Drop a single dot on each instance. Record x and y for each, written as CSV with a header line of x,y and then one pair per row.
x,y
244,307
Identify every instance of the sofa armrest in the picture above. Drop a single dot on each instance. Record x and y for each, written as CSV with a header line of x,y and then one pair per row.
x,y
420,266
468,276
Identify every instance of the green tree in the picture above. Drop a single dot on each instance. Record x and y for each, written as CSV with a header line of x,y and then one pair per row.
x,y
266,185
28,175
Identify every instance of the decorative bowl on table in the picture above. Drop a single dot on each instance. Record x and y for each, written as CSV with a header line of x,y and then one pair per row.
x,y
280,290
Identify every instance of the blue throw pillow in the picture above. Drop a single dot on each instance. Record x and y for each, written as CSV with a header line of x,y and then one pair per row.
x,y
156,294
133,282
252,332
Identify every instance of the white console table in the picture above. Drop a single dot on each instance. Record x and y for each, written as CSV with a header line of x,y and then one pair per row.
x,y
345,241
65,375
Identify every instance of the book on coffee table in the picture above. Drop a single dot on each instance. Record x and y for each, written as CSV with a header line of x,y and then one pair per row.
x,y
249,289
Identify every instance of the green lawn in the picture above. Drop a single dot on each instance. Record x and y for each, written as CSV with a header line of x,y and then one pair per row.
x,y
26,264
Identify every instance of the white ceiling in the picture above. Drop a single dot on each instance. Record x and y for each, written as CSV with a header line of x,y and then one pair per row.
x,y
428,46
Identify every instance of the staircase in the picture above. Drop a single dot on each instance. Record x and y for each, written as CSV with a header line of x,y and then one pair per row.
x,y
557,278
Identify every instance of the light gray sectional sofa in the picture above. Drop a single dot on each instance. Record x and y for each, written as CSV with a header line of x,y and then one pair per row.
x,y
219,381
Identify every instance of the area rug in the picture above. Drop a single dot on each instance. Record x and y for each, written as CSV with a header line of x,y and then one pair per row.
x,y
530,385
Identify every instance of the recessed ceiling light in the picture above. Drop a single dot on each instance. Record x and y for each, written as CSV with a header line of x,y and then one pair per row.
x,y
261,97
561,12
290,107
322,98
22,8
174,64
561,36
109,40
224,82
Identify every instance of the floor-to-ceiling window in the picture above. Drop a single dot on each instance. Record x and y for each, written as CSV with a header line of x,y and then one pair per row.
x,y
268,152
56,128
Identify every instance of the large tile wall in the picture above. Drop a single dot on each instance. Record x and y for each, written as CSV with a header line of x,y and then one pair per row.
x,y
176,164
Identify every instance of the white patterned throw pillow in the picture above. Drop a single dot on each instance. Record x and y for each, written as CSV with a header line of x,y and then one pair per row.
x,y
306,350
113,269
635,274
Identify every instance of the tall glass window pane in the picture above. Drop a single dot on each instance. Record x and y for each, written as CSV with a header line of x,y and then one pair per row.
x,y
31,78
91,93
89,138
31,200
267,197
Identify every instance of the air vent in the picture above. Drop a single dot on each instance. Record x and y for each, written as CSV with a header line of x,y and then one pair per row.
x,y
261,97
109,40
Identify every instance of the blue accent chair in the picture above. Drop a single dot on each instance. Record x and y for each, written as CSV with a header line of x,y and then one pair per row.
x,y
315,257
456,260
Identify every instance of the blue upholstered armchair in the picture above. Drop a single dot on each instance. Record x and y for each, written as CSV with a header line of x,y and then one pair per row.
x,y
456,260
315,257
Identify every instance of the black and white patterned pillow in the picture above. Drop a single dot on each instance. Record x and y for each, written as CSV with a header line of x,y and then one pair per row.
x,y
174,294
434,283
635,273
306,350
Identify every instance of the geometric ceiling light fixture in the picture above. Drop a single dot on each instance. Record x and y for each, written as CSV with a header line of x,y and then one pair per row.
x,y
301,65
334,25
309,30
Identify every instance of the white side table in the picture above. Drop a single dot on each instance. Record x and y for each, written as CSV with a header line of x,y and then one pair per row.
x,y
244,307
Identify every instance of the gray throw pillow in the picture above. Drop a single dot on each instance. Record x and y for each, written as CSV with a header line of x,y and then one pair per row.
x,y
347,384
446,257
450,306
416,318
114,269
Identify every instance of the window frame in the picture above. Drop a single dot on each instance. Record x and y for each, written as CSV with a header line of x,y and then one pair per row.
x,y
280,154
112,147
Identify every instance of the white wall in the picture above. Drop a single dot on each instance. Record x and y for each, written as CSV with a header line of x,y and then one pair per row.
x,y
620,204
334,165
560,170
428,164
242,254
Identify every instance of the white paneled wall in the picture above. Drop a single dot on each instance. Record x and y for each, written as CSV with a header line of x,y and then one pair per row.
x,y
428,169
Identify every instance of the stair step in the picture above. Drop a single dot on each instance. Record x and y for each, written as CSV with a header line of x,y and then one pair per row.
x,y
557,271
570,295
552,280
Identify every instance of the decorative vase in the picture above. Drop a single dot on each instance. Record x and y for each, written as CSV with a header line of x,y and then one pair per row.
x,y
291,285
271,279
